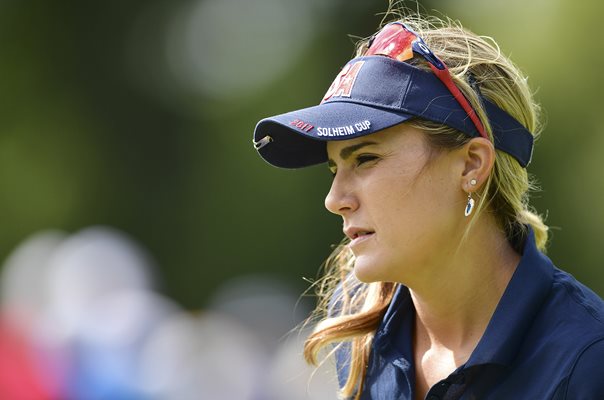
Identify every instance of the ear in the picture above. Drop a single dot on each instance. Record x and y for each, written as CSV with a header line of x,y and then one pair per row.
x,y
479,158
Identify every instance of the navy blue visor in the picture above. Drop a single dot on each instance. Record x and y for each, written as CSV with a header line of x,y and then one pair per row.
x,y
372,93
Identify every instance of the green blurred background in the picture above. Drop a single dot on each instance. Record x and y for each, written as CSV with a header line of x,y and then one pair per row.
x,y
139,115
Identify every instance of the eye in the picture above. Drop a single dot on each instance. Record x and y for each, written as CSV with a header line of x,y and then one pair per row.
x,y
365,158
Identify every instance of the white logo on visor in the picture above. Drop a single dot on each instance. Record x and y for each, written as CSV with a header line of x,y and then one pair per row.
x,y
345,130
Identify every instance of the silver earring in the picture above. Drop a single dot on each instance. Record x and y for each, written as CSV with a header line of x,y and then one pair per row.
x,y
469,205
473,182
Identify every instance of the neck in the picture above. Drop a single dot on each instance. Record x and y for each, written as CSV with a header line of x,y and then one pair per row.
x,y
453,312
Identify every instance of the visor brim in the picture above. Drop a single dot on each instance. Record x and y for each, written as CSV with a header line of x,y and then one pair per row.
x,y
314,126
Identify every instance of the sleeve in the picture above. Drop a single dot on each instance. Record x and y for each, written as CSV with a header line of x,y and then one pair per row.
x,y
586,381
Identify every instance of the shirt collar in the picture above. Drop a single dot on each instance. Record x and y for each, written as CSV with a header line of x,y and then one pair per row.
x,y
513,315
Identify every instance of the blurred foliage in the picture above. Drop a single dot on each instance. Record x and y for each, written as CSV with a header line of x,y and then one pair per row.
x,y
93,130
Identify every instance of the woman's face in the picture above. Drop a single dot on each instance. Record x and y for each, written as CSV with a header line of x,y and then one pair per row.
x,y
401,202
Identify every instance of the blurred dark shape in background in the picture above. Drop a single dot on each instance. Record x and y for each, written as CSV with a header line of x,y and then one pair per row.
x,y
138,116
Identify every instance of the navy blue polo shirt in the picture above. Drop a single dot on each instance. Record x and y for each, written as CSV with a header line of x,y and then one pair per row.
x,y
544,341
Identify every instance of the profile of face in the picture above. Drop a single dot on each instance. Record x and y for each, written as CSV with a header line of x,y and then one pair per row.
x,y
401,203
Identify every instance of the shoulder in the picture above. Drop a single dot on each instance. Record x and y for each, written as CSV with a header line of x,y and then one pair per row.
x,y
586,380
572,317
580,299
580,321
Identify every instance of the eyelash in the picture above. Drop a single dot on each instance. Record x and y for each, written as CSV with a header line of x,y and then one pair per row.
x,y
363,158
359,160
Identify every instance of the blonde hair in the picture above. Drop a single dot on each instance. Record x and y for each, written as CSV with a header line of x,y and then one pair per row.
x,y
350,311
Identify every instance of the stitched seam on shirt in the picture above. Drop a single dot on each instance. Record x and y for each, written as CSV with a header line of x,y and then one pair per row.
x,y
561,389
573,296
572,370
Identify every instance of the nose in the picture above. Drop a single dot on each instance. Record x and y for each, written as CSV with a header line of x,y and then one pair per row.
x,y
341,198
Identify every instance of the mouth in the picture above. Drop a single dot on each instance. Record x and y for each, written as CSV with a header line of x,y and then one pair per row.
x,y
357,235
359,238
361,234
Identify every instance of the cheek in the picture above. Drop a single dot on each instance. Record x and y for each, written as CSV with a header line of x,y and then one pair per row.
x,y
395,209
414,214
387,201
397,195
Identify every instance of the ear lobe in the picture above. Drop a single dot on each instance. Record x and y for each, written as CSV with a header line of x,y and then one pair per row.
x,y
479,156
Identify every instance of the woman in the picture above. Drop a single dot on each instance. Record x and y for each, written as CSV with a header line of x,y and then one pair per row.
x,y
440,289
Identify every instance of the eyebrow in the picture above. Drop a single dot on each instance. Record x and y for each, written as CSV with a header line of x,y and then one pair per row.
x,y
347,151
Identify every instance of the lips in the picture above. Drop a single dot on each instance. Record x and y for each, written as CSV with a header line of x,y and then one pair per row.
x,y
358,232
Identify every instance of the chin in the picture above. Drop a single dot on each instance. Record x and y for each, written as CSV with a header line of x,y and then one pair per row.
x,y
368,271
380,269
